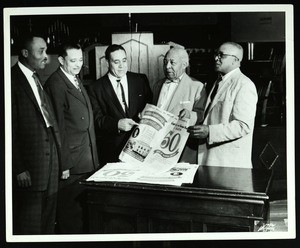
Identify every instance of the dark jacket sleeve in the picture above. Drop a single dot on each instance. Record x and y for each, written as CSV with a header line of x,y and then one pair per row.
x,y
104,121
18,163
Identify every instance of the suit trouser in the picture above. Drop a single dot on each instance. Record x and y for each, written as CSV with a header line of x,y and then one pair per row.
x,y
71,206
35,211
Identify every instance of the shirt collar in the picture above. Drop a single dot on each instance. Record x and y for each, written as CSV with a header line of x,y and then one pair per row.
x,y
229,74
68,75
175,80
25,70
113,78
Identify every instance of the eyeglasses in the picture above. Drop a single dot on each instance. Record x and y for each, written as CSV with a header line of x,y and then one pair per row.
x,y
224,55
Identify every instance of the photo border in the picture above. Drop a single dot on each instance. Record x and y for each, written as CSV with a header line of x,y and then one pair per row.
x,y
290,134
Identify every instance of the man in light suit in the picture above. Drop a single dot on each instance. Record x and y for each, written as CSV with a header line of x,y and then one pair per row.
x,y
229,115
117,99
74,114
35,143
180,94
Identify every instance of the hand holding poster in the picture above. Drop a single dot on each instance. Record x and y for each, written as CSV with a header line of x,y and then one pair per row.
x,y
158,140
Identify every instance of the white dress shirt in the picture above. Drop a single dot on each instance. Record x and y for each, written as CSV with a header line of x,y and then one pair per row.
x,y
124,83
167,91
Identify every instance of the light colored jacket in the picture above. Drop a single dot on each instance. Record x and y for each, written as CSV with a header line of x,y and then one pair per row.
x,y
190,94
231,122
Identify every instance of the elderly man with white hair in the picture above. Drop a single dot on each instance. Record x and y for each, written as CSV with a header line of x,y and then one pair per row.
x,y
180,94
229,114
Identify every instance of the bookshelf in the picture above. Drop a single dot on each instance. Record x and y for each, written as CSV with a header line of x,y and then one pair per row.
x,y
264,63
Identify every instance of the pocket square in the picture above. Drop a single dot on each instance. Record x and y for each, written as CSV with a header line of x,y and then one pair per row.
x,y
184,102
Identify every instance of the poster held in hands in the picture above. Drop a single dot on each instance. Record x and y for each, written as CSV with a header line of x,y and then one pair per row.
x,y
158,140
152,152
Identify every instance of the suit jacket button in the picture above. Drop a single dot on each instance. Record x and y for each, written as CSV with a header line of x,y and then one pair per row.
x,y
82,118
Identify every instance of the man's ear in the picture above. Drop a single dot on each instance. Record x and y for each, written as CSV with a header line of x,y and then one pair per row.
x,y
61,60
185,64
24,53
235,61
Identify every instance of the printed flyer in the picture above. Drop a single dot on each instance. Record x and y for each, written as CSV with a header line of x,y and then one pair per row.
x,y
158,140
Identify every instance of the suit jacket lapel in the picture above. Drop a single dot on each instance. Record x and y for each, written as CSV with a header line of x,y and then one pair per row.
x,y
27,88
71,88
157,90
131,94
223,88
178,94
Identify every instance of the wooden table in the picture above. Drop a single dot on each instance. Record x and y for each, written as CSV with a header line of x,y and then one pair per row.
x,y
220,199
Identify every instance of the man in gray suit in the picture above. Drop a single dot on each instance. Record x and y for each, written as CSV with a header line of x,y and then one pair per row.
x,y
35,143
180,94
229,114
74,114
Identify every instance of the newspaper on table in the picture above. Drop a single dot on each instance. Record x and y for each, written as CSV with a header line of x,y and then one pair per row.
x,y
152,152
125,172
158,140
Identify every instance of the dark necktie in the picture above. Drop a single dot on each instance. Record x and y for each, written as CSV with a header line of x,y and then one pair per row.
x,y
176,80
212,95
123,96
47,113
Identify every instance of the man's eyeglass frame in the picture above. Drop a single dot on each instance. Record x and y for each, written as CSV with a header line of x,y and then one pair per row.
x,y
222,55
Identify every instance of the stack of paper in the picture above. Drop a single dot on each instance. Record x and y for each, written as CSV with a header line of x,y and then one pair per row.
x,y
124,172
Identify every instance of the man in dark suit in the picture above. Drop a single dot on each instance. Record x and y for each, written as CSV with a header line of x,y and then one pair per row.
x,y
74,114
35,143
117,99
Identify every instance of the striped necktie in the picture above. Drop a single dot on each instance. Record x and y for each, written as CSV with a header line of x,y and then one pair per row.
x,y
47,113
77,82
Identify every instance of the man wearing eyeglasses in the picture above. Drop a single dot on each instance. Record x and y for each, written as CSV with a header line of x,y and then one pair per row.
x,y
229,114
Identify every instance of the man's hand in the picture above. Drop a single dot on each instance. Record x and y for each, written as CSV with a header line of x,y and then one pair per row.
x,y
184,113
141,114
65,174
126,124
198,131
24,179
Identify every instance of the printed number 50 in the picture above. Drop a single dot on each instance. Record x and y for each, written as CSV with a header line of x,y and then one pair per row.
x,y
118,173
170,142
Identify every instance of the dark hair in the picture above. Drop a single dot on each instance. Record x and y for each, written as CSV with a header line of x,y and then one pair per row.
x,y
25,41
111,49
62,51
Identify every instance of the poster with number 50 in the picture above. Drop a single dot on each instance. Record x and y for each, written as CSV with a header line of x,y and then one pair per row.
x,y
157,141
